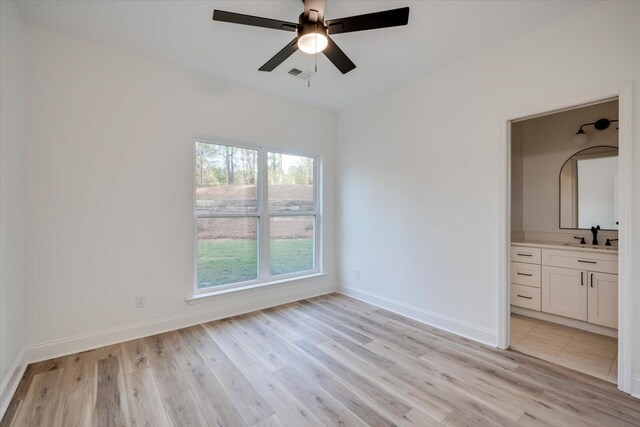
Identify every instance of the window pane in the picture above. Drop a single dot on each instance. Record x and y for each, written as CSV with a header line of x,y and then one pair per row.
x,y
290,183
226,178
227,250
291,244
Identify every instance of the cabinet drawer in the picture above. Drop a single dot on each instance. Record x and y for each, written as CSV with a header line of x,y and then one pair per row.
x,y
525,296
525,274
525,254
603,263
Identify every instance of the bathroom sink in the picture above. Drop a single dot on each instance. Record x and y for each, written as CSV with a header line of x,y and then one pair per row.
x,y
578,245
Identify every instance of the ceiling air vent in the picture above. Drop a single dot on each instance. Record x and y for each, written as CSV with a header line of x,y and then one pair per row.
x,y
302,74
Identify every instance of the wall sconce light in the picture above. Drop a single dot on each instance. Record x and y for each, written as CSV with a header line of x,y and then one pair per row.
x,y
615,136
582,138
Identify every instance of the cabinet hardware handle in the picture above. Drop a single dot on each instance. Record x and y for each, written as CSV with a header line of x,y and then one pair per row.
x,y
588,262
522,296
582,278
524,274
592,280
521,254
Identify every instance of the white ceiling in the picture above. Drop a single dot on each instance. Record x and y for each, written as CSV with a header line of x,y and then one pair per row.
x,y
439,33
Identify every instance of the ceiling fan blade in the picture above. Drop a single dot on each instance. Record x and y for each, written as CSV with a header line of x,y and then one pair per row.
x,y
280,57
338,57
369,21
255,21
311,5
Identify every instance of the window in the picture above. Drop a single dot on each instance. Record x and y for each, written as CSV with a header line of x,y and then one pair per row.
x,y
256,215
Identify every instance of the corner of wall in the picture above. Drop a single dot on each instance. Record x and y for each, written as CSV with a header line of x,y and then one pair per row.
x,y
13,320
11,381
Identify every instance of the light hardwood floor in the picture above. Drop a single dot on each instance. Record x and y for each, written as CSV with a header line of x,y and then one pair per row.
x,y
583,351
325,361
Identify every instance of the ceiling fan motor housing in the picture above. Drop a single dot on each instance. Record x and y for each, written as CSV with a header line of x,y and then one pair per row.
x,y
308,27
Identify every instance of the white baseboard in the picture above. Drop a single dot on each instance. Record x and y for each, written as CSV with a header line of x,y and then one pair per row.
x,y
449,324
11,381
578,324
267,298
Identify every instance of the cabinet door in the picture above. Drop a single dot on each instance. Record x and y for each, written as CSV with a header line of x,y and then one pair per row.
x,y
564,292
603,299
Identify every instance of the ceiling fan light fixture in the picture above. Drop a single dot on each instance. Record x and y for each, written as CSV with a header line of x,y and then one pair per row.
x,y
313,43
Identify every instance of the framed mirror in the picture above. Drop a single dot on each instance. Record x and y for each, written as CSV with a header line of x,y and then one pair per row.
x,y
589,189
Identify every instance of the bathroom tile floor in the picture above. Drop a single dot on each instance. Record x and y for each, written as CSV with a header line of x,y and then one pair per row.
x,y
583,351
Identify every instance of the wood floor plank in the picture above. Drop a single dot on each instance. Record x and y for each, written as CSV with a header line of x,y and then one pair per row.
x,y
417,418
134,356
466,380
184,354
165,367
360,306
284,332
114,350
145,404
454,385
183,410
77,392
230,345
111,402
34,369
249,402
40,403
435,342
280,315
389,402
462,418
329,360
319,326
324,406
272,421
314,372
321,316
263,353
216,406
435,407
285,405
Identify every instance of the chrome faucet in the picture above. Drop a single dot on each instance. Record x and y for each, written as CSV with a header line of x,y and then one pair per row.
x,y
595,230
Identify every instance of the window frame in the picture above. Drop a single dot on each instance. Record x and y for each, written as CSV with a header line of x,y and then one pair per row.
x,y
263,216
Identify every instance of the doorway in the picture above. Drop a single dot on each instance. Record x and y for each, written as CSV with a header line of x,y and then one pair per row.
x,y
621,95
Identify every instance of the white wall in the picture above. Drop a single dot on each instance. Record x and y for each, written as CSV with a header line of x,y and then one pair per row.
x,y
109,194
419,169
13,320
547,143
517,178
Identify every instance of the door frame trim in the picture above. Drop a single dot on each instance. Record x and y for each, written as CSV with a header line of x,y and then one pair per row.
x,y
624,93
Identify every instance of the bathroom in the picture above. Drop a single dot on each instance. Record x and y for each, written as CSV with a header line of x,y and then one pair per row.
x,y
564,238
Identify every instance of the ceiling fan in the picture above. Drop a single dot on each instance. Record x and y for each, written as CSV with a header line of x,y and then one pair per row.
x,y
313,31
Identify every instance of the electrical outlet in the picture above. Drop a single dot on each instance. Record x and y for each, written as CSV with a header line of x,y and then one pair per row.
x,y
140,301
357,275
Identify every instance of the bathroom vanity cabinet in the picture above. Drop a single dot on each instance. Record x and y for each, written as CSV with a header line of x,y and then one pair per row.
x,y
573,282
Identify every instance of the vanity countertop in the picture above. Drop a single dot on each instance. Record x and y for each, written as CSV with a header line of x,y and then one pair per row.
x,y
560,245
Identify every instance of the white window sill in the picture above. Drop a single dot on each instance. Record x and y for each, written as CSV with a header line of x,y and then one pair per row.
x,y
205,296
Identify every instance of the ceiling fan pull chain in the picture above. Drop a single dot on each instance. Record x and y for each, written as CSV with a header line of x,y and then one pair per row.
x,y
315,55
